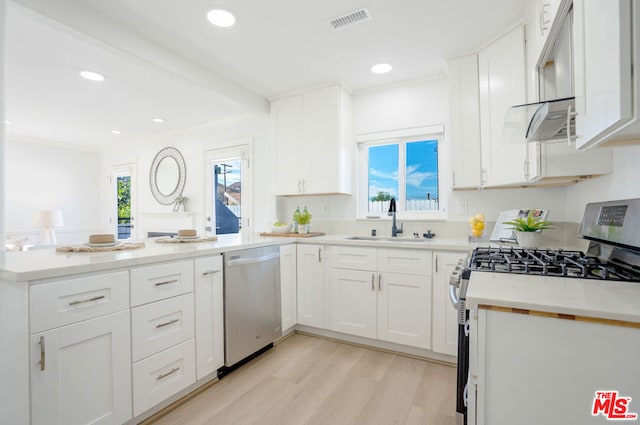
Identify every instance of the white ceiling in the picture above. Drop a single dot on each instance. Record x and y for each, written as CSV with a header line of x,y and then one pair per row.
x,y
276,46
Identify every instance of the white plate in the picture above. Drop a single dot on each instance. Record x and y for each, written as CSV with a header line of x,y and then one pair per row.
x,y
102,245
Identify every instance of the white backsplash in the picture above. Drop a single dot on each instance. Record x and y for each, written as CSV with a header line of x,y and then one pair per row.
x,y
564,234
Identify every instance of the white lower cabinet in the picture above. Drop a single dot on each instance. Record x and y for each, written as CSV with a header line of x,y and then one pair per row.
x,y
520,362
81,373
288,296
371,297
209,305
162,327
445,317
160,376
311,285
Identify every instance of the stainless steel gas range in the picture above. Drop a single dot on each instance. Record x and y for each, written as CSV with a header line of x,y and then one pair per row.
x,y
613,231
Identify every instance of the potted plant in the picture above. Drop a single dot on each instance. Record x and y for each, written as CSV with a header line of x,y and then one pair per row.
x,y
528,229
303,219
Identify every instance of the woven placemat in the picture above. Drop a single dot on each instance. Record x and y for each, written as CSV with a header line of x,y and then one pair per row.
x,y
177,240
87,248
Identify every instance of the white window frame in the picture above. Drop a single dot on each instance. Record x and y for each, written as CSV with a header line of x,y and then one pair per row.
x,y
433,132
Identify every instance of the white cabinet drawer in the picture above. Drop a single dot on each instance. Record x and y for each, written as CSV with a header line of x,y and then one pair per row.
x,y
355,258
161,281
160,376
160,325
69,301
407,261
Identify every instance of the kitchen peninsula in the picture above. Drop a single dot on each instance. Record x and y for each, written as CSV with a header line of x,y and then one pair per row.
x,y
125,319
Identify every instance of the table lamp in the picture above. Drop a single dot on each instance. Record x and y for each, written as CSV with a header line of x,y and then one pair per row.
x,y
48,220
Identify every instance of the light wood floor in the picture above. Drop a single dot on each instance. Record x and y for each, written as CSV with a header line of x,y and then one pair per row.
x,y
306,380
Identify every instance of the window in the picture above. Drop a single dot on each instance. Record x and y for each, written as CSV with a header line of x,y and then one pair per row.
x,y
122,201
405,169
228,189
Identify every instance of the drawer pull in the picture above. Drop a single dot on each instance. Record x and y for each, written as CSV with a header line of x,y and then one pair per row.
x,y
42,353
170,322
99,297
167,282
164,375
210,272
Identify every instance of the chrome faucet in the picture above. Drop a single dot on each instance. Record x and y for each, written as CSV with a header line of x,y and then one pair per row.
x,y
392,212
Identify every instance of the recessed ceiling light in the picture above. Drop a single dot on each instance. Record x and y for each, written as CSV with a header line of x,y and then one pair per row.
x,y
221,18
158,119
381,68
118,132
7,122
93,76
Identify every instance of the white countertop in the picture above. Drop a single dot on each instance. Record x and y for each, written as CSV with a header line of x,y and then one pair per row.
x,y
583,297
47,263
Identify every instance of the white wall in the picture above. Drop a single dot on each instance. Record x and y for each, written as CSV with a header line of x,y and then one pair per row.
x,y
623,183
41,176
192,145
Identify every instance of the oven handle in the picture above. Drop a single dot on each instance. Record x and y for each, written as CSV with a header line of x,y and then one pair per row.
x,y
453,296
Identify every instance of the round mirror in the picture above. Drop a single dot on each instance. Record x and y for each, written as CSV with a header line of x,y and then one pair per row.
x,y
167,176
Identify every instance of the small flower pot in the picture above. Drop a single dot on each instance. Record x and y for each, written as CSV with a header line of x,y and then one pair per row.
x,y
528,239
303,229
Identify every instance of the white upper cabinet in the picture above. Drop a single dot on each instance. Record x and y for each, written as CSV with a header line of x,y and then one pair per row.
x,y
464,118
502,80
313,141
607,103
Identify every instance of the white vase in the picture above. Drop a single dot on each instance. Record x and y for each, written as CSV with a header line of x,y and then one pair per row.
x,y
303,229
528,239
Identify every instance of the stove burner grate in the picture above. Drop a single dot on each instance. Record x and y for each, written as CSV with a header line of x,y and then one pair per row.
x,y
546,262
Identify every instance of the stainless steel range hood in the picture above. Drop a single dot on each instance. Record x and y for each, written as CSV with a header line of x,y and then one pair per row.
x,y
540,122
551,119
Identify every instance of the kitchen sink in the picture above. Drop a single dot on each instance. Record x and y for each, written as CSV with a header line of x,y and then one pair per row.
x,y
383,239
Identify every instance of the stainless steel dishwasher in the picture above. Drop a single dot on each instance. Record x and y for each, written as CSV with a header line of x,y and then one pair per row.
x,y
251,301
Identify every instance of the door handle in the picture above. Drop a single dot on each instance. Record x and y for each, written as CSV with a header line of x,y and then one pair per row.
x,y
379,281
42,353
373,286
170,322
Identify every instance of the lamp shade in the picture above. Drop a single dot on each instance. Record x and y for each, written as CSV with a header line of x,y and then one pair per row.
x,y
48,219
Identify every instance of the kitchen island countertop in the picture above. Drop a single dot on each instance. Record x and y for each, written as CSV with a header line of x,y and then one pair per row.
x,y
587,298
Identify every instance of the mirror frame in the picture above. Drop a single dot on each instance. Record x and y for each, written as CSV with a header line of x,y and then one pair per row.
x,y
168,152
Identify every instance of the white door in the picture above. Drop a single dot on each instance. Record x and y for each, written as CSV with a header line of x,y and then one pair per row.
x,y
288,286
228,189
209,305
354,302
321,130
404,309
310,272
291,150
502,77
122,201
81,373
445,318
603,71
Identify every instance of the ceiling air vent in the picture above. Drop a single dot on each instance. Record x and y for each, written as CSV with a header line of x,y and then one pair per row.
x,y
351,18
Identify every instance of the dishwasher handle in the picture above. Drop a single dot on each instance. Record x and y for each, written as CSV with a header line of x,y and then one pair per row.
x,y
240,261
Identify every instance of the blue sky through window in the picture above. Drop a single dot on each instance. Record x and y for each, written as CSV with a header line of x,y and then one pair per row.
x,y
421,168
383,170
